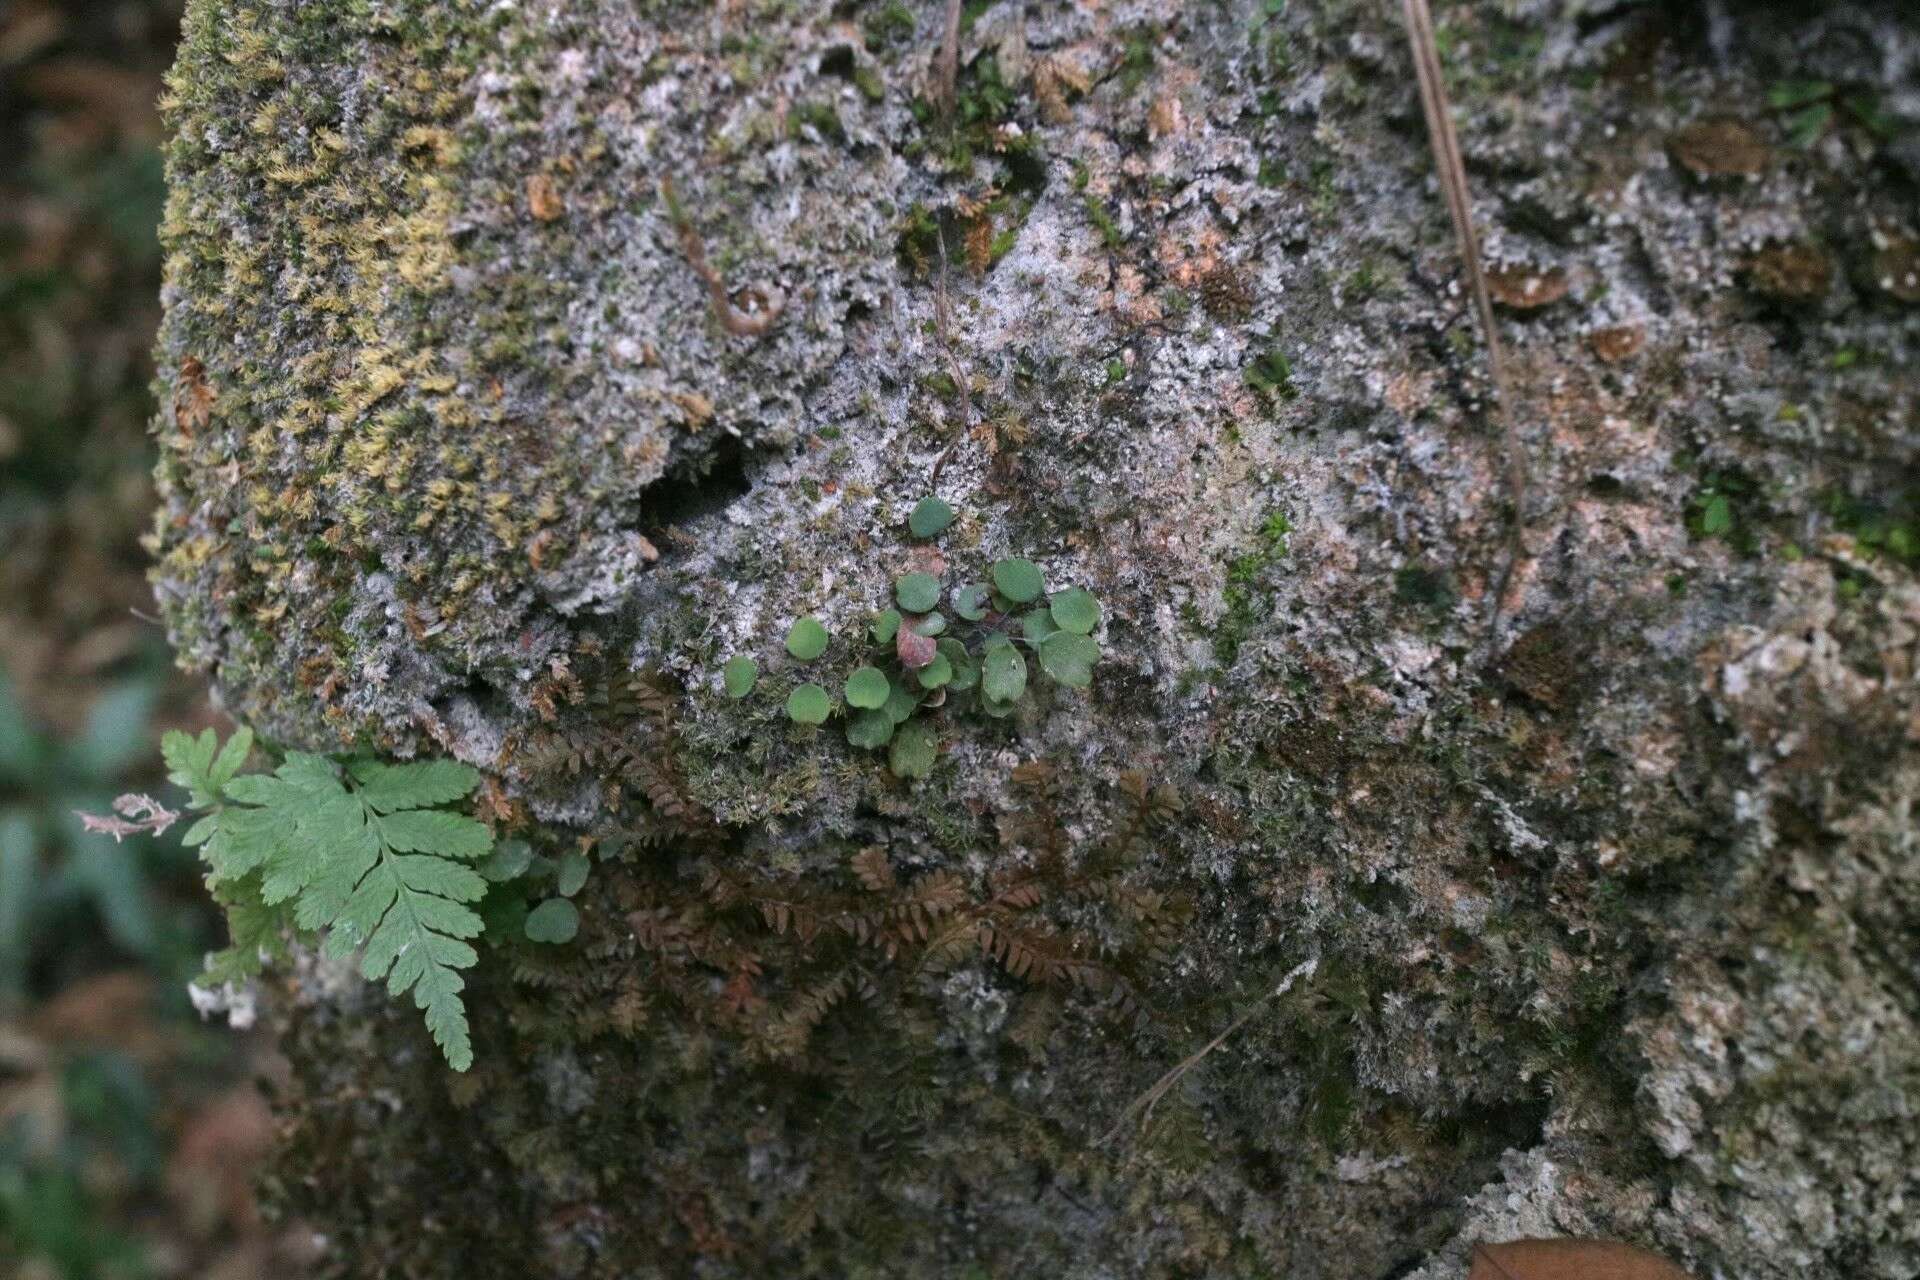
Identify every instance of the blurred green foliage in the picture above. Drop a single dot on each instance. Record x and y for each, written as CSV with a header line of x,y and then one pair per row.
x,y
58,882
48,1211
110,1088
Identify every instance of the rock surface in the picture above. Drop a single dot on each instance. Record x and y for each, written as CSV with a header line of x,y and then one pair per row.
x,y
1601,924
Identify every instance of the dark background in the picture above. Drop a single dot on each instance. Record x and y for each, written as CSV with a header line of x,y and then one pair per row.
x,y
129,1129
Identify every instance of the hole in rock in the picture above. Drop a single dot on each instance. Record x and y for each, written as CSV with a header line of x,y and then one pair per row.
x,y
695,489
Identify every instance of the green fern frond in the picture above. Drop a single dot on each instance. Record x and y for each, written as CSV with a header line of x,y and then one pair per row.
x,y
201,766
257,932
364,855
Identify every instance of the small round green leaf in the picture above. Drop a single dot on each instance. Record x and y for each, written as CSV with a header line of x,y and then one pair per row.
x,y
870,729
503,915
998,710
884,626
740,673
970,601
555,920
1018,580
933,624
809,704
936,673
966,673
572,874
1069,658
901,703
917,592
1003,672
929,517
1075,610
806,639
867,688
508,859
1037,626
914,751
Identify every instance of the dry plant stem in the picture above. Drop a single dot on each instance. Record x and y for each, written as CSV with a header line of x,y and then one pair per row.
x,y
953,366
1452,172
1143,1105
947,67
733,320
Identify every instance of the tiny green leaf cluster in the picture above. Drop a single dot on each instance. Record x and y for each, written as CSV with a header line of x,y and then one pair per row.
x,y
363,850
922,660
553,921
1271,373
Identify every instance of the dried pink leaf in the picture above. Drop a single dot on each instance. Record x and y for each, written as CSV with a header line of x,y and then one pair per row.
x,y
132,815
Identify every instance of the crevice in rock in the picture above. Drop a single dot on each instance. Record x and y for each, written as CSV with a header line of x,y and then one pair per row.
x,y
697,489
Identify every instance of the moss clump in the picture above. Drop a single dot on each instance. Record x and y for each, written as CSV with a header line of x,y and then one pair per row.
x,y
1243,592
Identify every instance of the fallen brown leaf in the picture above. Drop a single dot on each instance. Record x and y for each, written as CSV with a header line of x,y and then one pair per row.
x,y
1790,273
1721,149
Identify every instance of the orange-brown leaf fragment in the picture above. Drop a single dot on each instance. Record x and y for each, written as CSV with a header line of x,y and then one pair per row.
x,y
1569,1260
1721,149
1895,268
1618,342
543,198
1524,288
979,244
193,405
1793,273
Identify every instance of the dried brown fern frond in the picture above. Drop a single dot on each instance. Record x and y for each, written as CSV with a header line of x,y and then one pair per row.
x,y
874,872
1036,823
627,1014
764,957
787,1033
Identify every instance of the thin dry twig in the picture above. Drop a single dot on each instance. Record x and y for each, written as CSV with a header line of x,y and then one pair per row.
x,y
947,65
1452,172
1143,1105
731,318
953,366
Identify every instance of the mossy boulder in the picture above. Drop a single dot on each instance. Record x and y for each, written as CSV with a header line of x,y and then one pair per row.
x,y
1589,914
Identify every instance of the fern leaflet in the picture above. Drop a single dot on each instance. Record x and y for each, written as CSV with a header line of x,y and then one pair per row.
x,y
365,855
